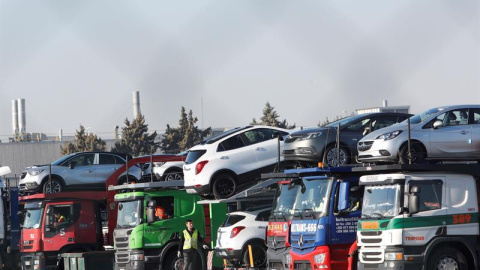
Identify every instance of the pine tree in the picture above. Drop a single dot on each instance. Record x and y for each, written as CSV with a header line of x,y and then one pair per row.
x,y
83,142
270,118
135,138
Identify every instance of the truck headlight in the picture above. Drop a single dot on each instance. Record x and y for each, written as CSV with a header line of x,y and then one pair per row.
x,y
35,172
288,259
319,258
136,257
393,256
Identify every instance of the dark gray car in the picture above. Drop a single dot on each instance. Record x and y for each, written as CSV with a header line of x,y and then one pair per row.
x,y
305,148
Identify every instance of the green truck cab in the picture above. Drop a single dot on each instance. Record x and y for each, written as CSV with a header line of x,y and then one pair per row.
x,y
144,241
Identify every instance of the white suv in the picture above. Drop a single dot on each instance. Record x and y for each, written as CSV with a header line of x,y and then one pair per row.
x,y
239,230
236,157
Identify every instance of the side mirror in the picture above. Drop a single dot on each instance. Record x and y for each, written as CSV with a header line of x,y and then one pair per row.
x,y
413,201
278,135
437,124
151,212
366,131
72,164
343,195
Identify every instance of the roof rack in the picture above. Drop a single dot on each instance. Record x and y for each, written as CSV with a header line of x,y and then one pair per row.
x,y
177,184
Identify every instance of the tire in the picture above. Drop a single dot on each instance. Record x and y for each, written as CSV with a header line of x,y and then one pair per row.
x,y
224,186
447,258
170,260
330,154
53,186
417,151
259,255
173,175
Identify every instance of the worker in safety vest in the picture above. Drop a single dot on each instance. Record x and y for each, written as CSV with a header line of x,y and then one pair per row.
x,y
189,243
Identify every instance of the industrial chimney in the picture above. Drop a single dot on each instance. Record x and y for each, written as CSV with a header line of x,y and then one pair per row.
x,y
136,104
14,118
385,104
22,116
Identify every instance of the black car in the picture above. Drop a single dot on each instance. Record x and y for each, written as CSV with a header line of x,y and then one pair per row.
x,y
308,147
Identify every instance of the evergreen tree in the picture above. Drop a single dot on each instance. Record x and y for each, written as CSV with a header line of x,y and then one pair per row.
x,y
83,142
270,118
135,138
185,136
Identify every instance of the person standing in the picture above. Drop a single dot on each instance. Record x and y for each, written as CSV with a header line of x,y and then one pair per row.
x,y
189,244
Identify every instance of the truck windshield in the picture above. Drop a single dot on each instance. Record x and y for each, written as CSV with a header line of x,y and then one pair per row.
x,y
381,201
312,198
33,217
129,214
283,205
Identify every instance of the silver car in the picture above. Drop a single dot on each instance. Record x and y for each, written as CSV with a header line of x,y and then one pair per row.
x,y
87,170
442,133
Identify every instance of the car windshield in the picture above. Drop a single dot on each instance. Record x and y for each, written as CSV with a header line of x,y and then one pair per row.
x,y
381,201
32,219
312,198
62,159
345,121
285,199
419,118
129,214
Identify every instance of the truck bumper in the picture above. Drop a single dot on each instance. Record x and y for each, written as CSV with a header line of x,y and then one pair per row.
x,y
408,262
276,259
129,260
231,255
317,259
33,261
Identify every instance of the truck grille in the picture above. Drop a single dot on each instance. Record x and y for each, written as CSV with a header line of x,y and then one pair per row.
x,y
276,242
302,265
121,239
302,241
371,252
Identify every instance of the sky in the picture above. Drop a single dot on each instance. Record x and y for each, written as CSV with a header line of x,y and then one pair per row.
x,y
78,62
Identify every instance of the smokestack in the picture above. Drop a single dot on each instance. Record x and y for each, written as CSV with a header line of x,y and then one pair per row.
x,y
60,135
14,117
385,104
136,104
22,116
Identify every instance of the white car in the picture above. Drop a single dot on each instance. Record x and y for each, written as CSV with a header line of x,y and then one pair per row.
x,y
233,158
166,171
239,230
442,133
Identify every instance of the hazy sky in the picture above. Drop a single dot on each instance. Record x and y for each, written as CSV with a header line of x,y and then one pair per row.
x,y
78,61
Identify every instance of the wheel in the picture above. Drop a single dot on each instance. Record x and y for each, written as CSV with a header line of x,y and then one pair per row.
x,y
171,260
224,186
447,258
173,175
330,156
417,152
259,255
53,186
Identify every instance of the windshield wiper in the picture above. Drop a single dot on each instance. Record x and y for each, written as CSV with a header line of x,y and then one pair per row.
x,y
366,216
380,215
299,211
275,212
308,210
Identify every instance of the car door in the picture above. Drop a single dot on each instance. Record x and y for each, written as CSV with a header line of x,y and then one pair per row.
x,y
454,138
107,164
475,123
81,170
264,145
233,153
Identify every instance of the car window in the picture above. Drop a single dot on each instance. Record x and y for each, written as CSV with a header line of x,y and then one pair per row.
x,y
384,121
119,160
263,216
451,118
232,220
476,116
258,135
82,160
194,155
359,125
231,143
107,159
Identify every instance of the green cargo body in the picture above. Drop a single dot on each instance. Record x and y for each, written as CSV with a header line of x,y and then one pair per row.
x,y
101,260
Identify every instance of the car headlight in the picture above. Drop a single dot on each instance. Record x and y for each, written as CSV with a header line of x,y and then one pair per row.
x,y
393,256
312,135
35,172
319,258
389,135
136,257
288,259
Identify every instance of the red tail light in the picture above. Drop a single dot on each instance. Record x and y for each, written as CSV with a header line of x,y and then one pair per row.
x,y
199,167
236,230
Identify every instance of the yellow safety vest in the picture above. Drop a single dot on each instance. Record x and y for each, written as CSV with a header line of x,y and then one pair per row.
x,y
190,241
